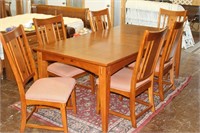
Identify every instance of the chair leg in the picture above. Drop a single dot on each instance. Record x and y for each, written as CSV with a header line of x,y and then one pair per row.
x,y
97,101
172,77
151,97
23,119
160,88
64,117
132,111
120,97
73,100
69,102
92,83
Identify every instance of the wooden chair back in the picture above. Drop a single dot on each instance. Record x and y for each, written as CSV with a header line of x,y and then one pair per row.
x,y
20,57
8,8
2,9
99,20
5,9
172,41
50,29
168,17
165,67
148,54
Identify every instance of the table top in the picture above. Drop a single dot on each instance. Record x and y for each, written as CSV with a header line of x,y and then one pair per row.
x,y
101,48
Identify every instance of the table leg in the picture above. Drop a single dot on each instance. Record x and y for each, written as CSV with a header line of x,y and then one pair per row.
x,y
42,66
178,58
1,69
104,86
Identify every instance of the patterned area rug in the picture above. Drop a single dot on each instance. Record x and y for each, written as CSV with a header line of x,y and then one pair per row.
x,y
86,120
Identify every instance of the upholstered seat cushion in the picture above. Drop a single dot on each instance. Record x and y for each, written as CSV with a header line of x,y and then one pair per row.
x,y
165,65
131,65
56,89
64,70
122,80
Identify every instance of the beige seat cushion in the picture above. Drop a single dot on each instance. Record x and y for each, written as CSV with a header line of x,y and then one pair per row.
x,y
122,80
165,65
132,65
55,89
64,70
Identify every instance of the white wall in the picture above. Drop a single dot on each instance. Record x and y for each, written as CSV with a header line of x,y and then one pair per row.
x,y
76,3
13,7
117,5
39,1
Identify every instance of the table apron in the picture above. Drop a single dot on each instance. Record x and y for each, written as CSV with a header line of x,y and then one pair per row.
x,y
71,61
122,63
89,66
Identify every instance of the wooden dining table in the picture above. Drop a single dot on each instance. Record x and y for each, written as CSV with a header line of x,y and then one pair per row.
x,y
102,53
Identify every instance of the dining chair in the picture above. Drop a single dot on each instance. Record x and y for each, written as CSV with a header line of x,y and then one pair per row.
x,y
131,83
51,30
99,20
8,8
164,72
5,9
168,17
35,93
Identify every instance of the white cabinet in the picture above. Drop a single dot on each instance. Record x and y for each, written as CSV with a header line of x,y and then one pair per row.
x,y
56,2
94,5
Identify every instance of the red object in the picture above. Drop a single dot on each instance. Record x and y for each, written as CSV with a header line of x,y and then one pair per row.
x,y
76,34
